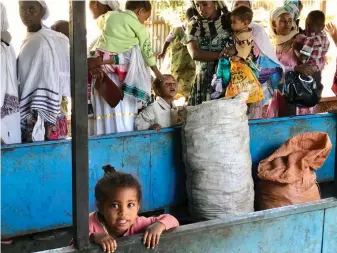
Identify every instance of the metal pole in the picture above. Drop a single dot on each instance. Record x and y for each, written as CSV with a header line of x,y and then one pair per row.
x,y
79,123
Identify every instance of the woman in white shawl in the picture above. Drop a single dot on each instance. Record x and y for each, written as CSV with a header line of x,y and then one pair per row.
x,y
103,118
9,101
44,76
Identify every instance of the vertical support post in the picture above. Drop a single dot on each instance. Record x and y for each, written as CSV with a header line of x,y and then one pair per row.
x,y
79,123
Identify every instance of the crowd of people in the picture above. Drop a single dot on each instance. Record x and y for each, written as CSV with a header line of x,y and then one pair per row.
x,y
36,85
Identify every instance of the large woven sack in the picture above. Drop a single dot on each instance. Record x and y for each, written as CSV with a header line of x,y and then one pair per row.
x,y
217,159
287,176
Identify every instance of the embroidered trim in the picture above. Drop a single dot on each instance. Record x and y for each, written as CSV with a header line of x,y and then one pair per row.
x,y
137,93
11,105
113,115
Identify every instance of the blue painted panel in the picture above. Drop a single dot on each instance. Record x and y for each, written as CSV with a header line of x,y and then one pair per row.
x,y
330,231
268,135
36,178
35,188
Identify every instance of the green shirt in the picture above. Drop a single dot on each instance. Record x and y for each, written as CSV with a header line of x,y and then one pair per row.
x,y
121,31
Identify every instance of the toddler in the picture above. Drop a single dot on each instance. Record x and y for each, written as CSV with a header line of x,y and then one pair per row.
x,y
118,197
124,41
241,17
163,112
312,48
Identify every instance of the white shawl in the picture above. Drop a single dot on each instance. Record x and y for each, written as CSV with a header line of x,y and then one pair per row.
x,y
44,74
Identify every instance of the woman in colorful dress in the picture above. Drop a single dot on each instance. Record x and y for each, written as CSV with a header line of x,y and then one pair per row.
x,y
207,34
283,31
182,66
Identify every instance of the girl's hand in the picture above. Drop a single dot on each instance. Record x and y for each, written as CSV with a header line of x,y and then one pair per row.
x,y
152,235
107,242
94,62
331,29
156,127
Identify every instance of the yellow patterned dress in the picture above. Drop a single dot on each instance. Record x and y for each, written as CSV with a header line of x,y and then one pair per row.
x,y
182,65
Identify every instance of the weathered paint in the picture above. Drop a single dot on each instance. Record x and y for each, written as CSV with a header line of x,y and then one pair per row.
x,y
330,231
36,178
268,135
292,229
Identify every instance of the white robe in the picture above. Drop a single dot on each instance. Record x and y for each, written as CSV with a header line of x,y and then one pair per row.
x,y
44,77
9,101
159,112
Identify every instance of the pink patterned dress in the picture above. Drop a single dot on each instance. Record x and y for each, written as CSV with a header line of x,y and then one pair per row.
x,y
289,60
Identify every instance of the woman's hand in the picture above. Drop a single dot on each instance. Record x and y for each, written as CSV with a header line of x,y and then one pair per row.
x,y
107,242
97,73
306,69
156,127
94,62
161,56
152,235
228,52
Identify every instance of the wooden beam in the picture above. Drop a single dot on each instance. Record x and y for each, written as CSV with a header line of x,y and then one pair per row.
x,y
79,123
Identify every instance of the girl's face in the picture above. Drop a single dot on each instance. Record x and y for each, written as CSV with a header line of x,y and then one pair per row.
x,y
169,88
283,24
206,9
120,212
143,15
31,12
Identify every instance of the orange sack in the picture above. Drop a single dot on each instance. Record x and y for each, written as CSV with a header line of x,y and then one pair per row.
x,y
287,176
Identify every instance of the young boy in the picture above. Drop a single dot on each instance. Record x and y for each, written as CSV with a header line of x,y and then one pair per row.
x,y
163,112
312,48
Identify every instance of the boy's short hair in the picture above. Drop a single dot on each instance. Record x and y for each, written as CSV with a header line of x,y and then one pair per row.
x,y
190,12
156,84
243,13
318,19
134,5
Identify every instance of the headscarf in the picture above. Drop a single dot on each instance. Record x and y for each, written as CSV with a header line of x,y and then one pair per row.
x,y
5,35
209,28
46,9
293,6
250,3
280,39
113,4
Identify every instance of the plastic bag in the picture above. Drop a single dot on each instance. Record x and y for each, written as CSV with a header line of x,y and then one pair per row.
x,y
300,90
243,79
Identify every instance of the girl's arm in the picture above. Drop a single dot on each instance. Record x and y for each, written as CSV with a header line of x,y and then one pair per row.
x,y
199,55
145,119
157,73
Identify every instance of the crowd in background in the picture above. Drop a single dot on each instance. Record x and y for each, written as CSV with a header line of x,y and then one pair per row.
x,y
35,92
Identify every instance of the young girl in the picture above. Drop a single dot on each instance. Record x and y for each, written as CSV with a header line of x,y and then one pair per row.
x,y
118,197
163,112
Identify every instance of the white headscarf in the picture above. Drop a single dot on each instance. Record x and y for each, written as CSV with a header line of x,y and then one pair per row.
x,y
5,35
4,19
113,4
280,39
46,9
